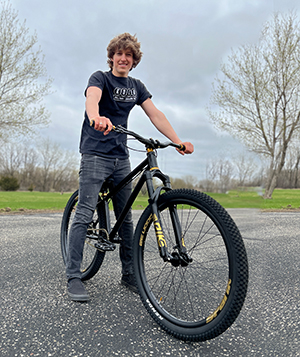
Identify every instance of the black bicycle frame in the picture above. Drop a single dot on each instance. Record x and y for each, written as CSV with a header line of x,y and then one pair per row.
x,y
150,169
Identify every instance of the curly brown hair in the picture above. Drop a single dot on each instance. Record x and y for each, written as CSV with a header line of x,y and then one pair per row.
x,y
124,41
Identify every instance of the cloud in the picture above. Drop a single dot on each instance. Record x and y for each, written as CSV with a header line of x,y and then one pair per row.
x,y
183,42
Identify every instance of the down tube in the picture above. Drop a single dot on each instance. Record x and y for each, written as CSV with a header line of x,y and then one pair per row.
x,y
129,203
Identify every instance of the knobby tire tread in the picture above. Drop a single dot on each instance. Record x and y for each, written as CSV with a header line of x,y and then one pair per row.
x,y
99,256
237,294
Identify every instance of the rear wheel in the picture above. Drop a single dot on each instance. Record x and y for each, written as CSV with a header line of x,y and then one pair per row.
x,y
199,300
92,258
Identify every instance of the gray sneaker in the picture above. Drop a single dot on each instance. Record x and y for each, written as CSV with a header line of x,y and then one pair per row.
x,y
76,290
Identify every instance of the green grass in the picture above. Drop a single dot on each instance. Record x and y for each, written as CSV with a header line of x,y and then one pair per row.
x,y
238,199
282,199
33,200
45,200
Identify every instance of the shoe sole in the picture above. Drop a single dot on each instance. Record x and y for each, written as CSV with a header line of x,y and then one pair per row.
x,y
81,298
130,287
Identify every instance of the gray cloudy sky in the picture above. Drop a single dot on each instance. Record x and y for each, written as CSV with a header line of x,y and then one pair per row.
x,y
183,43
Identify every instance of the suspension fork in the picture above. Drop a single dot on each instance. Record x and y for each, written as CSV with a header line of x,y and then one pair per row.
x,y
177,229
180,256
158,226
153,198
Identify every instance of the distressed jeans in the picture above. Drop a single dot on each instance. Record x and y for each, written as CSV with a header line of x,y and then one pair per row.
x,y
94,170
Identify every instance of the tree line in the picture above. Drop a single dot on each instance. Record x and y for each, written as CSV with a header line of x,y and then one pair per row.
x,y
242,171
45,166
42,167
245,170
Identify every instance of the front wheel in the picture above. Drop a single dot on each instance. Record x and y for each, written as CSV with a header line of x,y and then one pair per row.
x,y
92,258
199,300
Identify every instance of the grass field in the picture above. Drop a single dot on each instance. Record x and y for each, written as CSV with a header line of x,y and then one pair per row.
x,y
282,199
26,200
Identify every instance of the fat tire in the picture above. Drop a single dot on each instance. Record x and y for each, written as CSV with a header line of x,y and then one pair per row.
x,y
96,259
225,312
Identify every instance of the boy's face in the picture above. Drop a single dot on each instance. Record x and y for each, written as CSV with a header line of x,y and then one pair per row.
x,y
122,62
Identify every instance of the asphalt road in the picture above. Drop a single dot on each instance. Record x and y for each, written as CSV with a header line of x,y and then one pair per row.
x,y
37,318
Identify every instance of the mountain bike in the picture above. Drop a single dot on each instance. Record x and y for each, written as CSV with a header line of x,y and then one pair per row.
x,y
190,262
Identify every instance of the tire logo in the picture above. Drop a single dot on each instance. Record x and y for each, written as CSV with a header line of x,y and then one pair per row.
x,y
220,307
145,230
153,310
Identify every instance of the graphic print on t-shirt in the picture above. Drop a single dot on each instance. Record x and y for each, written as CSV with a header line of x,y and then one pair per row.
x,y
124,94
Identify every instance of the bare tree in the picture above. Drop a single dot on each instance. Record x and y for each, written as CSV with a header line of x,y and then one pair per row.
x,y
177,182
245,166
29,167
50,155
19,161
11,159
190,181
55,166
65,173
259,94
226,174
21,69
293,164
219,175
289,175
211,172
296,169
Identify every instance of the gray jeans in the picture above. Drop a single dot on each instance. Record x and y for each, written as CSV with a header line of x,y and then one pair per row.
x,y
93,171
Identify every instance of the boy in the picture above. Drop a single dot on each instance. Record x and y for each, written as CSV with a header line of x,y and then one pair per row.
x,y
109,98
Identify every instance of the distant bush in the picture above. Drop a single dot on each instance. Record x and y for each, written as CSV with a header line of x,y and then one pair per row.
x,y
31,188
9,183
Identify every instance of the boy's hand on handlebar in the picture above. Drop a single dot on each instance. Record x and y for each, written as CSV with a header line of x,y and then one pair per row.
x,y
189,148
101,124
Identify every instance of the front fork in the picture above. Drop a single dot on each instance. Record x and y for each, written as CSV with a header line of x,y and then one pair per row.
x,y
179,256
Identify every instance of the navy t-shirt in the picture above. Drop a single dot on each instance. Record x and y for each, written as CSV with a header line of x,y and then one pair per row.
x,y
119,96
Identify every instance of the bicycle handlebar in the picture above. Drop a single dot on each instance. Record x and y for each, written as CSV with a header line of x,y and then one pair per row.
x,y
150,143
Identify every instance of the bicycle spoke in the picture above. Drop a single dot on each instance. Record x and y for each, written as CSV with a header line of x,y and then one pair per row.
x,y
92,258
184,291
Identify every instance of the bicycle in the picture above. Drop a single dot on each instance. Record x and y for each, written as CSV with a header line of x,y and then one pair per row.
x,y
190,262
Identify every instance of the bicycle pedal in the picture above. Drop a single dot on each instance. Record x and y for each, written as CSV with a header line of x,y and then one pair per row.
x,y
105,246
117,240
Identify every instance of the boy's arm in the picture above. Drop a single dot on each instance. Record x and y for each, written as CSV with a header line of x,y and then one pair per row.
x,y
93,96
162,124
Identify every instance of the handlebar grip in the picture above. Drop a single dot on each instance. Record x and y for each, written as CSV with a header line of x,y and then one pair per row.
x,y
92,124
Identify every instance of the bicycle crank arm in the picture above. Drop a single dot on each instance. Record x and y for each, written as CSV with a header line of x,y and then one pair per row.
x,y
105,246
